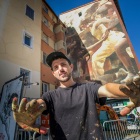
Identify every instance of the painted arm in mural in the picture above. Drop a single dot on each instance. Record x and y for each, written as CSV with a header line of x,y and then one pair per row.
x,y
100,21
113,21
67,37
131,90
103,6
99,42
111,24
27,114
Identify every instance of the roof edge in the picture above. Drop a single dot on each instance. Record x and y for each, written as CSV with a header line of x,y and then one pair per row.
x,y
119,10
79,7
58,19
50,8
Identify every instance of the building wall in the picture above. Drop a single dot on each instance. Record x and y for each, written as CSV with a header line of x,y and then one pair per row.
x,y
58,29
60,44
9,70
97,42
14,23
55,36
11,42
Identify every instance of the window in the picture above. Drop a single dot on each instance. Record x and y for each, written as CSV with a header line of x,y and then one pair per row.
x,y
45,87
27,76
53,18
53,30
58,20
64,44
45,38
62,28
80,14
44,58
45,21
29,12
27,40
45,8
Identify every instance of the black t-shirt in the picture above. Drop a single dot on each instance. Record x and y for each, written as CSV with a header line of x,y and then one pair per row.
x,y
73,113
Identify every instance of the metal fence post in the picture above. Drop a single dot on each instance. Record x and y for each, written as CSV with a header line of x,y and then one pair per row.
x,y
24,132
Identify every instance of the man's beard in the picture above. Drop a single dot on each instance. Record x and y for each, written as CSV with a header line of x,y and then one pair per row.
x,y
67,79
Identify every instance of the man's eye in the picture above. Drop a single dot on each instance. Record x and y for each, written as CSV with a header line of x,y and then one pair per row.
x,y
55,68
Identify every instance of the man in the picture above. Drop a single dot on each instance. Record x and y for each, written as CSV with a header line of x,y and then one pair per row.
x,y
72,106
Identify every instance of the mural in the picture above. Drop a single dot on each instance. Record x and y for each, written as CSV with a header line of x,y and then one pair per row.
x,y
96,44
10,90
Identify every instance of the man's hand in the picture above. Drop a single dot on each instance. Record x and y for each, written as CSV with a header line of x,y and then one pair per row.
x,y
27,114
133,91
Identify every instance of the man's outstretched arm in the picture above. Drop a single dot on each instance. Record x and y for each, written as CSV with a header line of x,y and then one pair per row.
x,y
118,91
27,114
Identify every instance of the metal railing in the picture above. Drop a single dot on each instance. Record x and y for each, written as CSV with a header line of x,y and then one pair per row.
x,y
24,135
122,129
43,136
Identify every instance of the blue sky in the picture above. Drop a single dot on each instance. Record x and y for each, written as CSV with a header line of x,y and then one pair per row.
x,y
130,11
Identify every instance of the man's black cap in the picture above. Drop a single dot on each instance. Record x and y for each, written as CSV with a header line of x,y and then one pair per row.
x,y
55,55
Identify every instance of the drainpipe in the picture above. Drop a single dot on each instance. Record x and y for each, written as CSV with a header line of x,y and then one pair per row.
x,y
65,40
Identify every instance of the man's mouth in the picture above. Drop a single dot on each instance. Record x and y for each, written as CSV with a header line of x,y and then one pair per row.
x,y
62,74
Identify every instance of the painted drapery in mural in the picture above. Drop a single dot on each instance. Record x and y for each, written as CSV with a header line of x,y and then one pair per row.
x,y
97,45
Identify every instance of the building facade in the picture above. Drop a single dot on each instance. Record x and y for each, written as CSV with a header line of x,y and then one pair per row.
x,y
29,31
53,39
97,41
20,35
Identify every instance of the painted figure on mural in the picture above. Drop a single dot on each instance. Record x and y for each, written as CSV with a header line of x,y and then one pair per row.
x,y
101,35
115,41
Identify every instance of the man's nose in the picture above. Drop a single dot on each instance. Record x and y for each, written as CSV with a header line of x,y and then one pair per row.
x,y
60,67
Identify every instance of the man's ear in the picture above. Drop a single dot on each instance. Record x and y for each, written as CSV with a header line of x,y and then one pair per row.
x,y
71,66
53,73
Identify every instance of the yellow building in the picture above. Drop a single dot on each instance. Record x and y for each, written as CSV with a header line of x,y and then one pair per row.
x,y
29,31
